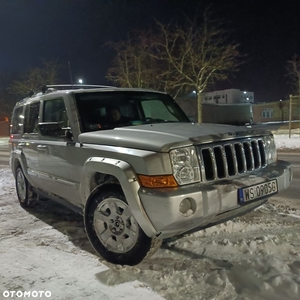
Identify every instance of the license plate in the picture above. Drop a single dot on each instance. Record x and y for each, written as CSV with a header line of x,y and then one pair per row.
x,y
257,191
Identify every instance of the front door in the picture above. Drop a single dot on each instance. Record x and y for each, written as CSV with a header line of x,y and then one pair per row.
x,y
58,176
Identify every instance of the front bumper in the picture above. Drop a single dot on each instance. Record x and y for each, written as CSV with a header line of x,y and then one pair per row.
x,y
210,201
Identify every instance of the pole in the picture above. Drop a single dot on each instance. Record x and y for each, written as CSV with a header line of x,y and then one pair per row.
x,y
290,116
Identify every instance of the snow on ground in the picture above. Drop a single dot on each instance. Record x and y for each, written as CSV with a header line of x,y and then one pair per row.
x,y
283,142
252,257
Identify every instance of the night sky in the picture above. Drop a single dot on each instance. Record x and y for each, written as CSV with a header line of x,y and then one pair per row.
x,y
76,31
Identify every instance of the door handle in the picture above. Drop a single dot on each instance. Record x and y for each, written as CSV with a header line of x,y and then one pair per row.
x,y
41,147
21,145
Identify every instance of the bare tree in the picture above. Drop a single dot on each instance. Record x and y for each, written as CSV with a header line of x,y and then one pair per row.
x,y
139,64
197,56
7,100
35,78
133,65
176,58
293,72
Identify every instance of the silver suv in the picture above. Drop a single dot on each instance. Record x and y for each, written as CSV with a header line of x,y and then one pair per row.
x,y
136,168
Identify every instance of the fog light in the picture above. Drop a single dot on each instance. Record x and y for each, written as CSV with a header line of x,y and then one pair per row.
x,y
186,207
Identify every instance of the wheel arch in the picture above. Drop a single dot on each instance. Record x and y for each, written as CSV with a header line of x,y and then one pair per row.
x,y
120,173
18,160
106,186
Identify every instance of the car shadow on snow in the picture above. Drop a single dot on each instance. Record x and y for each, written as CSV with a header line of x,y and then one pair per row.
x,y
168,257
217,264
169,262
64,220
71,224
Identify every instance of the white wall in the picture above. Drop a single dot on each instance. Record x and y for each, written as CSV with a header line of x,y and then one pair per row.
x,y
228,96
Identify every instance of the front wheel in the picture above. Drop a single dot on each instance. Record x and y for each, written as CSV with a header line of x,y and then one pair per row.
x,y
113,230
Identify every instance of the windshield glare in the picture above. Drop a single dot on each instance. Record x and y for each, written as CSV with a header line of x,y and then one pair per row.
x,y
107,110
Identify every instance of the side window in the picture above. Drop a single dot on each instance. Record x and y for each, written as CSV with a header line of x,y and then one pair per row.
x,y
54,111
32,118
17,121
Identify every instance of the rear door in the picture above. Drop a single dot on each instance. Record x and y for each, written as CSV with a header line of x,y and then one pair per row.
x,y
27,145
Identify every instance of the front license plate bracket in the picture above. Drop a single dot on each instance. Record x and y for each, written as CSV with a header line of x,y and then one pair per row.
x,y
257,191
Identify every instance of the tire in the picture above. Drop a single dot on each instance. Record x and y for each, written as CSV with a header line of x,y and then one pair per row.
x,y
113,231
25,196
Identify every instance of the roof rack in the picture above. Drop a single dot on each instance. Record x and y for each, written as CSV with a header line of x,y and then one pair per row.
x,y
77,86
54,87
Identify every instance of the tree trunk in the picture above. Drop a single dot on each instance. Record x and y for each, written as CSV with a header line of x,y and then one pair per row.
x,y
199,105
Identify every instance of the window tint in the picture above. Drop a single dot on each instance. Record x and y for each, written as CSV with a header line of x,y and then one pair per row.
x,y
31,118
54,111
17,121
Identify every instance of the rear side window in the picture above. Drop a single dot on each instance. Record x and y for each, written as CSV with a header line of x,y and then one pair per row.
x,y
17,121
32,118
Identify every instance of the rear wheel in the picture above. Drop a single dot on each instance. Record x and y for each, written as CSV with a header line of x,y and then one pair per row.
x,y
25,196
113,230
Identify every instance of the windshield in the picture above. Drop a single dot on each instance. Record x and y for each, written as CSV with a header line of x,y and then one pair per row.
x,y
107,110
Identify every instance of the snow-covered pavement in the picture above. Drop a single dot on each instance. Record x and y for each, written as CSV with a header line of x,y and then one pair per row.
x,y
284,143
253,257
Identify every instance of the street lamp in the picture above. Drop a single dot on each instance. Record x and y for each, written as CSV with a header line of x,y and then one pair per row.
x,y
80,81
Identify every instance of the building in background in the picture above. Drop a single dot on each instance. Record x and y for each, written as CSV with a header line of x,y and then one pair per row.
x,y
229,96
277,111
230,106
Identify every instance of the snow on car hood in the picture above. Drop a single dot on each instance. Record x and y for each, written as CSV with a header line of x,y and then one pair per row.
x,y
163,136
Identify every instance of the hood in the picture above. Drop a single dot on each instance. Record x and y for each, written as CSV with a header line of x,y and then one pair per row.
x,y
162,137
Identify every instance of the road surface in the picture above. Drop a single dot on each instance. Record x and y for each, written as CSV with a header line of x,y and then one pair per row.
x,y
4,151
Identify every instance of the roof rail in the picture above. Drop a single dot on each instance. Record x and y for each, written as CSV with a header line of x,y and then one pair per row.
x,y
77,86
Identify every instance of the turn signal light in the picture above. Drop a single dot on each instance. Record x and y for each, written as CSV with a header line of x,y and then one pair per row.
x,y
157,181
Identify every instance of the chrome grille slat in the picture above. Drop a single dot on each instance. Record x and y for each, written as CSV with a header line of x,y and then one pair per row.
x,y
231,158
241,160
256,154
249,156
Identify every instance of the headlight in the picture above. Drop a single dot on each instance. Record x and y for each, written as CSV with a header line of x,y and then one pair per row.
x,y
185,165
271,153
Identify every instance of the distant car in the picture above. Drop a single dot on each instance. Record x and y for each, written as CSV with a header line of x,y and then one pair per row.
x,y
151,176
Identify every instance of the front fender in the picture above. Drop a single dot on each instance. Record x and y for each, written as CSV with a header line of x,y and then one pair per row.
x,y
129,184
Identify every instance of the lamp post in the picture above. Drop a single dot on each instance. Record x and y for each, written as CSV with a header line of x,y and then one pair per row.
x,y
290,116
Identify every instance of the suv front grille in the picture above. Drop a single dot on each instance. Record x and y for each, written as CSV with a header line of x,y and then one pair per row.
x,y
231,158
